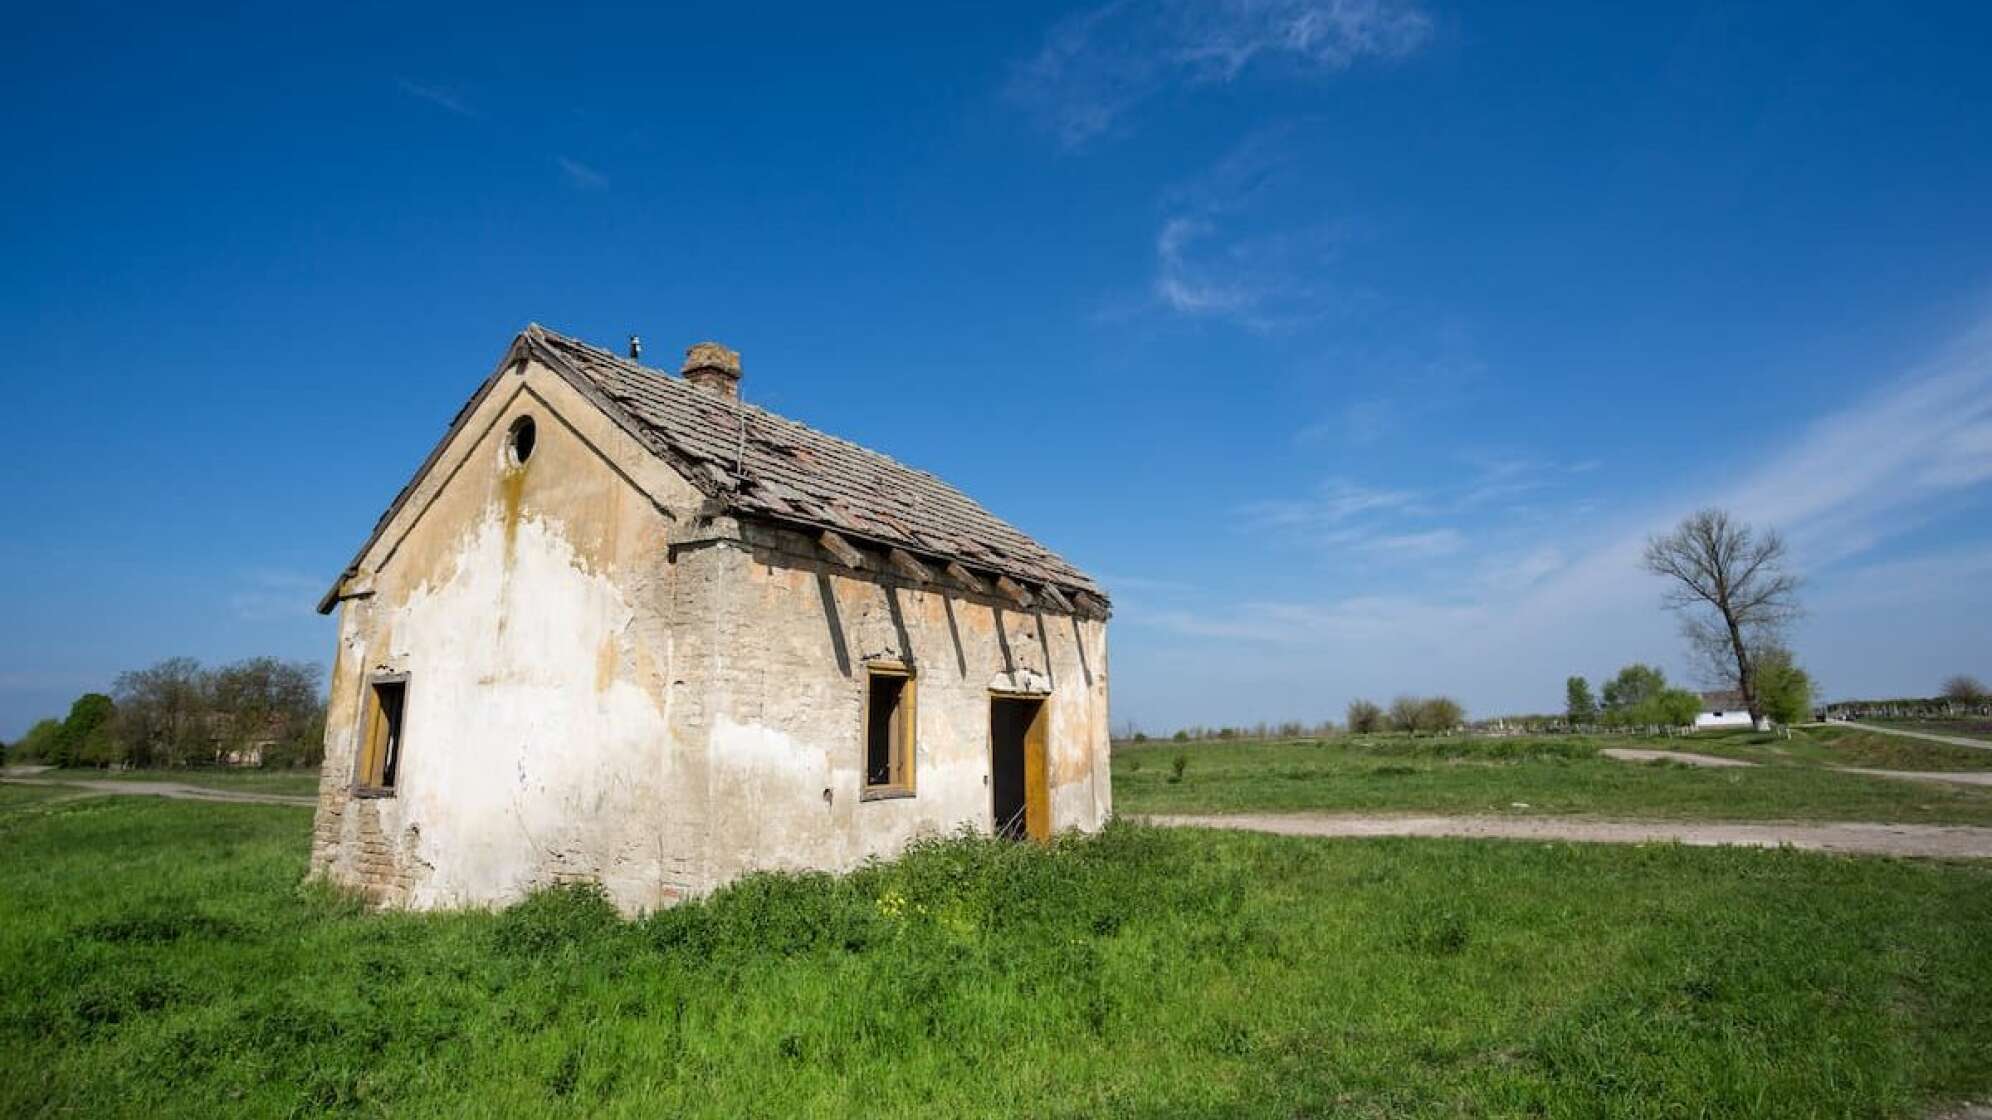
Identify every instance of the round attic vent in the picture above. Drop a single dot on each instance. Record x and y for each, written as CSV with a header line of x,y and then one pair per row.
x,y
519,441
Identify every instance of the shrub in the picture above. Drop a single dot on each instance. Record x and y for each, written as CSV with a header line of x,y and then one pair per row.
x,y
1177,765
1365,718
1439,714
1404,713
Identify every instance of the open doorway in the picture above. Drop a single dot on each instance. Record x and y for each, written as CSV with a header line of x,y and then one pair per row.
x,y
1019,785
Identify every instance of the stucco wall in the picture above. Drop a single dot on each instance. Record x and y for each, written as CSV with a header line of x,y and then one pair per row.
x,y
524,603
603,686
772,647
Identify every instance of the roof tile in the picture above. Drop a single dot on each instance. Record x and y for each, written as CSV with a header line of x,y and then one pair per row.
x,y
768,465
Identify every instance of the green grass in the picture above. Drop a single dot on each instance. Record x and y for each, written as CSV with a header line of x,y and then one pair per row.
x,y
1557,775
300,783
1967,728
1850,746
161,959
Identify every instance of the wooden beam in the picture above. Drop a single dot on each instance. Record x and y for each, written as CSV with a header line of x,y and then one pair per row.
x,y
903,562
1014,590
840,548
965,577
1092,606
1057,598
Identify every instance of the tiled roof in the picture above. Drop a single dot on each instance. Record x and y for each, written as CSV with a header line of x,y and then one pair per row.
x,y
1722,702
769,466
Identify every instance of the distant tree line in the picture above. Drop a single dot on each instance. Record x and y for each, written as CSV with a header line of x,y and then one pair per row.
x,y
1961,695
260,711
1417,714
1428,714
1288,729
1639,696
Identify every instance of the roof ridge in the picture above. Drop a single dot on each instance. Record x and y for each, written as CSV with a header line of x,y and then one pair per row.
x,y
793,471
635,367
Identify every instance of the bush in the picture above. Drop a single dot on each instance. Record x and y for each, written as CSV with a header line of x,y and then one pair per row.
x,y
1440,714
1177,765
1404,712
1365,718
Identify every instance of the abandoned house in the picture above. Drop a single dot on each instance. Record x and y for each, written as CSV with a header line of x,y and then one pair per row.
x,y
622,626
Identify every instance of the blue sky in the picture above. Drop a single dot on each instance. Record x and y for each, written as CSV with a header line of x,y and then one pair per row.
x,y
1355,344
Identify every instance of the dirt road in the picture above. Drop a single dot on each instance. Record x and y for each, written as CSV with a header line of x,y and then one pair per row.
x,y
1685,758
177,791
1939,841
1953,740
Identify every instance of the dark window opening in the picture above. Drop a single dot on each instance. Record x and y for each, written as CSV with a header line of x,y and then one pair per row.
x,y
519,442
380,754
888,731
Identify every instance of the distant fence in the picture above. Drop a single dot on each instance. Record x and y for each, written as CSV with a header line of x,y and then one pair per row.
x,y
1907,709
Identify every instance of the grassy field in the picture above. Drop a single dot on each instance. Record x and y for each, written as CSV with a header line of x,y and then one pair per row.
x,y
1961,728
161,959
301,783
1555,775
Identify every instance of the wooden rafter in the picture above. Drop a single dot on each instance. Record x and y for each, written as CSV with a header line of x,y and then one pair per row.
x,y
1014,590
903,562
1056,598
843,550
965,577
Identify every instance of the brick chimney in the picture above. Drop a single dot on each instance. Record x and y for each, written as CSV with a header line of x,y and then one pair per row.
x,y
714,368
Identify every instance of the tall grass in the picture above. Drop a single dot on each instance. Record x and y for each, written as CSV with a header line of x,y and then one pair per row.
x,y
162,959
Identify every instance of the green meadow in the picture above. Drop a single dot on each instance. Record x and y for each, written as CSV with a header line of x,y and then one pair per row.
x,y
162,958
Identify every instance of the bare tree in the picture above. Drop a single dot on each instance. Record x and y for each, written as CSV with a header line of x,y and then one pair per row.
x,y
1964,689
1730,587
1365,718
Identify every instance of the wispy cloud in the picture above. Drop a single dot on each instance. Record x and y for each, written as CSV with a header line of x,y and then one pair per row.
x,y
1333,504
1097,65
436,95
1266,281
1229,247
581,175
1840,488
1427,369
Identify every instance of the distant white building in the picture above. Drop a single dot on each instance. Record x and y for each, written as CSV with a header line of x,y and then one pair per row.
x,y
1722,709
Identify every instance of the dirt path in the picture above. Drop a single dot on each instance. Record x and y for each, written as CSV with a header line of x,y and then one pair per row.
x,y
1941,841
1686,758
1961,777
1689,758
1953,740
177,791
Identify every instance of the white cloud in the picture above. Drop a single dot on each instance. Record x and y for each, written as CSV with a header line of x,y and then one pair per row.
x,y
437,96
1264,280
1097,65
581,175
1514,573
1335,502
1430,542
1849,481
1230,247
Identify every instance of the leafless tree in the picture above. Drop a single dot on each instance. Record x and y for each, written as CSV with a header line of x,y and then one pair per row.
x,y
1729,585
1963,689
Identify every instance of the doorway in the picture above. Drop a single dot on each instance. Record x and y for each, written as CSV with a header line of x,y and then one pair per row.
x,y
1019,784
